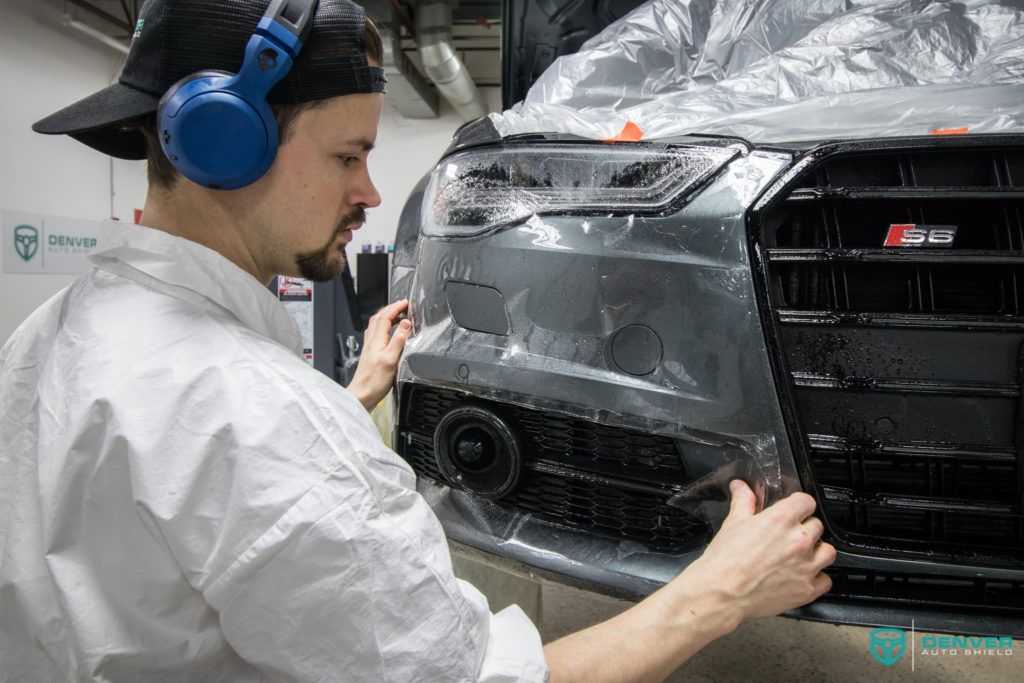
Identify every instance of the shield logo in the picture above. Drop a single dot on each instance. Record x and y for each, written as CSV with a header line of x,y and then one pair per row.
x,y
888,644
26,241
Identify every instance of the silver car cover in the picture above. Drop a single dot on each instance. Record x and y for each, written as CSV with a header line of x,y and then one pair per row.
x,y
788,70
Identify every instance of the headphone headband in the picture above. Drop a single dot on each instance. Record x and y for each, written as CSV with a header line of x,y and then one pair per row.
x,y
288,22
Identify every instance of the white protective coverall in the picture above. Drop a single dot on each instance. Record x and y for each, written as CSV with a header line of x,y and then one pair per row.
x,y
183,498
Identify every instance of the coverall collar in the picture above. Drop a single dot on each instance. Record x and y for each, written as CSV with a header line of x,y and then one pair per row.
x,y
199,275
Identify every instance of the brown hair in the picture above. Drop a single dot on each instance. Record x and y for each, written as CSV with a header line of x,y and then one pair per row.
x,y
162,174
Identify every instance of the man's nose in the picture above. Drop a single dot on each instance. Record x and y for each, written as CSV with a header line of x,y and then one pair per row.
x,y
365,194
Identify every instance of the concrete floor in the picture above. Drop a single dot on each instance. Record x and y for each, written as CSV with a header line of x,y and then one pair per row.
x,y
762,651
780,649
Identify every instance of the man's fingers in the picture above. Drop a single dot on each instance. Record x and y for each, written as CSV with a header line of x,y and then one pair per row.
x,y
398,339
824,556
381,322
743,504
822,584
391,312
797,506
813,527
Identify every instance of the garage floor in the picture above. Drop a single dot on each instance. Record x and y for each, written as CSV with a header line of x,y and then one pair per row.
x,y
781,649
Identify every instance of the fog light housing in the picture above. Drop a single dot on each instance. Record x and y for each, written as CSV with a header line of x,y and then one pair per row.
x,y
477,451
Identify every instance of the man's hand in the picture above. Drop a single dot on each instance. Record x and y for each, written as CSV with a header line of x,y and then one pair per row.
x,y
762,564
378,362
759,564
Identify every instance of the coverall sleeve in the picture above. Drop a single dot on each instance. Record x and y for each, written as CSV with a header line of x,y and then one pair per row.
x,y
343,588
282,506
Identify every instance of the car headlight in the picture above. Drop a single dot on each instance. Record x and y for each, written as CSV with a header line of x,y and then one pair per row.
x,y
474,191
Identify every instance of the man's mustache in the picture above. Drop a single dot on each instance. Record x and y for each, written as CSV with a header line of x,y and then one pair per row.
x,y
355,218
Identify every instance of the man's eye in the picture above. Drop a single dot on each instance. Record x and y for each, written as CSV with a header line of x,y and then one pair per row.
x,y
348,161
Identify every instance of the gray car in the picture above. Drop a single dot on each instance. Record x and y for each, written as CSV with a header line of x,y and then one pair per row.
x,y
606,334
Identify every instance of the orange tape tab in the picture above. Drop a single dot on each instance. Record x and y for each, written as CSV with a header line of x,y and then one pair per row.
x,y
949,131
629,133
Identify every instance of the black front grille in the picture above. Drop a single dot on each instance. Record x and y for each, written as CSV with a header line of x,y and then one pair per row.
x,y
962,594
900,368
578,474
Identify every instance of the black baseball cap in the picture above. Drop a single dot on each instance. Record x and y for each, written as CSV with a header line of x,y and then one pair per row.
x,y
176,38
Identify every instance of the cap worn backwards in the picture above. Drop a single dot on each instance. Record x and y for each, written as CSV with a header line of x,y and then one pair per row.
x,y
176,38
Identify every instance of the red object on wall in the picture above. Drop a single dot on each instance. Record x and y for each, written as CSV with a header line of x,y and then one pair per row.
x,y
138,216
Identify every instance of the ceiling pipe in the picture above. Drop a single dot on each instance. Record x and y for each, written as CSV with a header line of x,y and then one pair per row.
x,y
403,17
440,61
408,92
106,16
99,36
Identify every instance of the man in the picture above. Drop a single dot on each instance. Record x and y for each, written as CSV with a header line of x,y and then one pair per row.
x,y
186,499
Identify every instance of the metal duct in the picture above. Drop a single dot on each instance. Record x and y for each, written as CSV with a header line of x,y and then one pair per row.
x,y
408,92
440,62
100,36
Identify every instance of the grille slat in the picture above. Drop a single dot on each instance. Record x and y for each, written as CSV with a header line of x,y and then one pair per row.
x,y
901,367
576,474
937,321
956,452
901,286
974,594
903,386
935,504
817,194
961,257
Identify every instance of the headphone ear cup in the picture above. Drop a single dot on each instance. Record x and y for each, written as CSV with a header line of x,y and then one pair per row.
x,y
171,101
213,134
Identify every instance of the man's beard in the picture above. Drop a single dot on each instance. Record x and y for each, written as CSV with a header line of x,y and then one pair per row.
x,y
325,264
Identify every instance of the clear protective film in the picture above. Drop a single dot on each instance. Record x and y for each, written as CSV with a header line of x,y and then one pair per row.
x,y
633,339
788,71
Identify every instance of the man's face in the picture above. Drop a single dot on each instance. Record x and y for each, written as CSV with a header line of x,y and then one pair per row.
x,y
306,206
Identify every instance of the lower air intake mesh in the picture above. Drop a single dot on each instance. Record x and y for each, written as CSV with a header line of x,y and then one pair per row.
x,y
577,474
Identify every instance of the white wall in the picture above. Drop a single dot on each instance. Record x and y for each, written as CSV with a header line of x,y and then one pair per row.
x,y
44,67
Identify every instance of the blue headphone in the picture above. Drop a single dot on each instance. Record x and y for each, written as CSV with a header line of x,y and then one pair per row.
x,y
216,127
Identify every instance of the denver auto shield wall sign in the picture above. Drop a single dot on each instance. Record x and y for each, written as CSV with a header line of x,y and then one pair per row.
x,y
38,243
